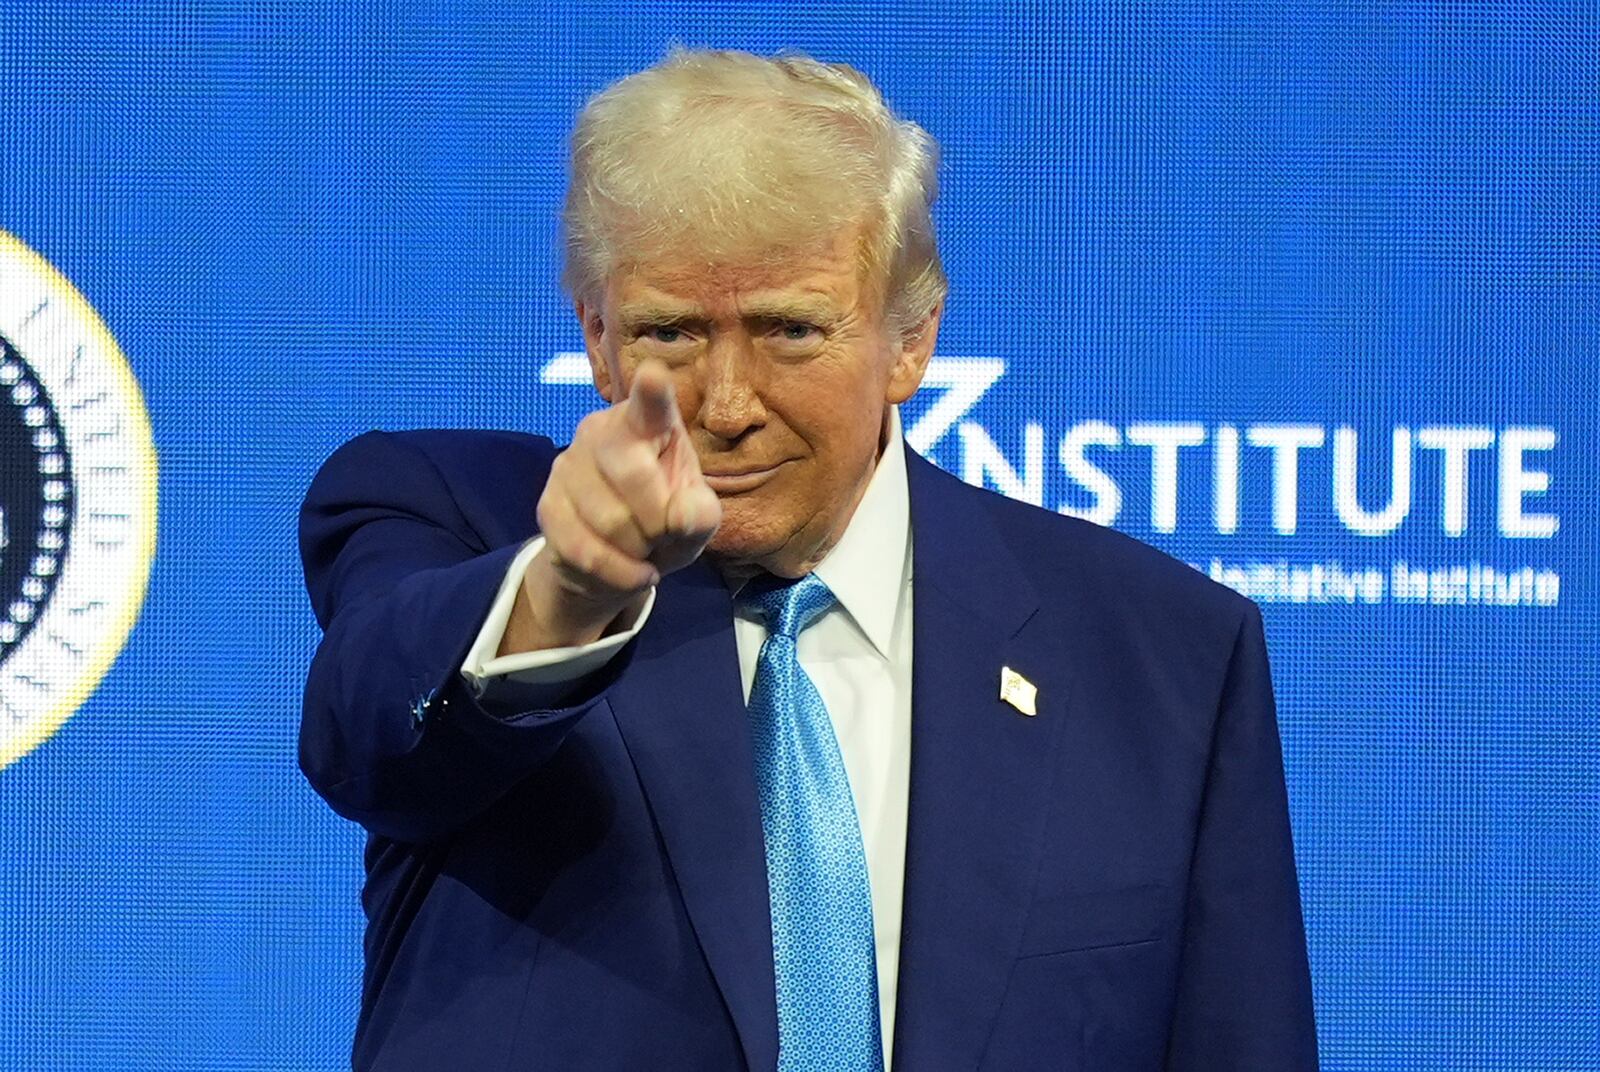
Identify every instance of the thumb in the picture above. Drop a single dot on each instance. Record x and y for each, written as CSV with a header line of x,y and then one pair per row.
x,y
652,405
694,513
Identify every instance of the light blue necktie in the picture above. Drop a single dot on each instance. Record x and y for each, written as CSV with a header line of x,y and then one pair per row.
x,y
822,941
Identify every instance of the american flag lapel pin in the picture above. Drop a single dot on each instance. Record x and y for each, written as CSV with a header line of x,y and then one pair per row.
x,y
1018,691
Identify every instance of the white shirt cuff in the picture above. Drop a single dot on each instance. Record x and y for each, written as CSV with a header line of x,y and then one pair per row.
x,y
484,669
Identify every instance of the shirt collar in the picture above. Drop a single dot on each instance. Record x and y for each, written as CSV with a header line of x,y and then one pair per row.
x,y
866,568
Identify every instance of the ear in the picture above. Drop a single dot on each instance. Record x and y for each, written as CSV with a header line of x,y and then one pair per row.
x,y
911,358
606,379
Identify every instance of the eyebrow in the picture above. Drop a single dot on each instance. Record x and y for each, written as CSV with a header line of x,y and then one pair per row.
x,y
639,313
815,310
650,311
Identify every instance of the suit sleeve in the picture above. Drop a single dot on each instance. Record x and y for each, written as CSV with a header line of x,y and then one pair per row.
x,y
391,735
1244,990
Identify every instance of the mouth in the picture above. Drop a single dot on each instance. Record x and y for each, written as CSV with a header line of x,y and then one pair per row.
x,y
738,481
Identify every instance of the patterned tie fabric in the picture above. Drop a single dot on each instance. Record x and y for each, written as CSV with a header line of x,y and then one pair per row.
x,y
822,940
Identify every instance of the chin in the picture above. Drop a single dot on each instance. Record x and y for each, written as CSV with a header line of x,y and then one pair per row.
x,y
749,536
741,545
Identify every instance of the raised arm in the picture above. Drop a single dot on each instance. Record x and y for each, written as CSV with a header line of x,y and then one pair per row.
x,y
391,735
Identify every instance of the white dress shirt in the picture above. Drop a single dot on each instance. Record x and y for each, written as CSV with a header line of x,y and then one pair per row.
x,y
858,654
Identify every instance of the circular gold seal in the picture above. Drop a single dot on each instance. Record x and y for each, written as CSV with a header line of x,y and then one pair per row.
x,y
77,499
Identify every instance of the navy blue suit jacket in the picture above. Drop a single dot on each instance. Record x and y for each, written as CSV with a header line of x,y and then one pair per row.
x,y
1108,885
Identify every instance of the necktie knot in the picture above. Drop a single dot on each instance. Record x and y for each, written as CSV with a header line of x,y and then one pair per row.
x,y
787,606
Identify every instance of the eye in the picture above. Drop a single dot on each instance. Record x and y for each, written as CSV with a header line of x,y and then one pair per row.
x,y
798,331
663,333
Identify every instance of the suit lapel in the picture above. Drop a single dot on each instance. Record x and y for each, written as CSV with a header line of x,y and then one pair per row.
x,y
980,776
681,711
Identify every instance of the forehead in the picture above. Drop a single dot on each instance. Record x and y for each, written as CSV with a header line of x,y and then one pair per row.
x,y
830,269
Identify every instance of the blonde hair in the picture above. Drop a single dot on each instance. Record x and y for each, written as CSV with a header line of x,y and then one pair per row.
x,y
727,154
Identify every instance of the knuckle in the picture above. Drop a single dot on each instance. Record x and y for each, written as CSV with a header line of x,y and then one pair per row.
x,y
553,513
629,465
653,525
599,512
615,521
544,512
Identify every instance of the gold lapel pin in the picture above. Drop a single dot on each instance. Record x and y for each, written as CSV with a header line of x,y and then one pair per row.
x,y
1018,691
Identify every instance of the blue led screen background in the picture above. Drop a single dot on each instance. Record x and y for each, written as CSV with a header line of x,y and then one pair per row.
x,y
1307,294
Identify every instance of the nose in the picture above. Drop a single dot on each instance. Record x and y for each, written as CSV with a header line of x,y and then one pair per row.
x,y
730,403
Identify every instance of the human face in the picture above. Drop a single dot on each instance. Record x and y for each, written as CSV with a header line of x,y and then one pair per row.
x,y
784,372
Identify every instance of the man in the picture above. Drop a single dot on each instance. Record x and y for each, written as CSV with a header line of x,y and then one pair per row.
x,y
735,735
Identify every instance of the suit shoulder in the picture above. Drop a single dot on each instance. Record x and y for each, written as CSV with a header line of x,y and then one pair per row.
x,y
380,462
483,482
444,448
1113,566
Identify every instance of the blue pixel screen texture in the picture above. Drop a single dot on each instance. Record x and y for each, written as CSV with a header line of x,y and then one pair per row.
x,y
1304,293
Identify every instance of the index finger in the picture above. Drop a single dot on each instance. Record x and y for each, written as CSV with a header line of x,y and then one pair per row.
x,y
652,404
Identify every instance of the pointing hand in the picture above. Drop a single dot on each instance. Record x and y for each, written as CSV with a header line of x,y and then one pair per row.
x,y
625,504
